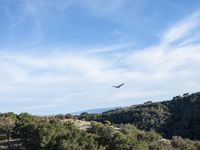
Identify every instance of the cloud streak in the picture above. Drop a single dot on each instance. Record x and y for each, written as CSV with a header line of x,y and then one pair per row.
x,y
181,30
172,64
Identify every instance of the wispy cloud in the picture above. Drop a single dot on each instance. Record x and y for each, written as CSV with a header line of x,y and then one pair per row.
x,y
52,79
181,30
170,64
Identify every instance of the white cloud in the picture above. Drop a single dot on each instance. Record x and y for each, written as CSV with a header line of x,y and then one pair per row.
x,y
53,79
169,65
182,29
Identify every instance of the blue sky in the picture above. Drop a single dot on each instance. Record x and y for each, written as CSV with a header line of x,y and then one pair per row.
x,y
60,56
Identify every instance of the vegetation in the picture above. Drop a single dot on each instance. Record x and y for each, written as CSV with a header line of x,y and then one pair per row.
x,y
177,119
27,132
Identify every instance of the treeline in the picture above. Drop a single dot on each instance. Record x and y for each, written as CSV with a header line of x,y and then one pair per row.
x,y
27,132
177,117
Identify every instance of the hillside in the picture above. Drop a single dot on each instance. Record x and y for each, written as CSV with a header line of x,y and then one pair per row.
x,y
27,132
173,125
179,116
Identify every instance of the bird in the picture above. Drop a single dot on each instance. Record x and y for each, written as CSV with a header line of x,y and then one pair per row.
x,y
118,86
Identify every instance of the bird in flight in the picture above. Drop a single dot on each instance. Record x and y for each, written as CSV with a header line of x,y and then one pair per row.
x,y
118,86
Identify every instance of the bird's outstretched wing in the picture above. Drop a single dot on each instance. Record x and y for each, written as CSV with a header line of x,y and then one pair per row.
x,y
115,86
121,84
118,86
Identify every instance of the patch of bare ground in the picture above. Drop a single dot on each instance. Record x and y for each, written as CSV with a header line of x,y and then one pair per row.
x,y
81,124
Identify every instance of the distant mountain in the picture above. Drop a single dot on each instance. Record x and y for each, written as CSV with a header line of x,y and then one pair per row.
x,y
179,116
94,111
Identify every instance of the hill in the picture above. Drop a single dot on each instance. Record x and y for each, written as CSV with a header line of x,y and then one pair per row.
x,y
179,116
94,111
149,126
27,132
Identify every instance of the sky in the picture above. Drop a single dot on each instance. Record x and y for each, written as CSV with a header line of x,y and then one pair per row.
x,y
62,56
